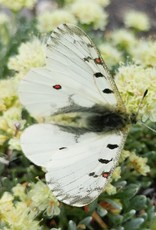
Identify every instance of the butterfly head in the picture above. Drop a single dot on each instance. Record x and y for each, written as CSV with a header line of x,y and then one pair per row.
x,y
133,118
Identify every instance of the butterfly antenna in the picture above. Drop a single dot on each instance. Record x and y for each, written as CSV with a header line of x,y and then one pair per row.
x,y
140,104
143,123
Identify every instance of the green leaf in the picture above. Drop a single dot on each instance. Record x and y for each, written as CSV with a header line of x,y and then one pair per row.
x,y
72,225
128,192
92,206
138,202
101,211
114,203
129,215
120,184
86,221
116,220
134,224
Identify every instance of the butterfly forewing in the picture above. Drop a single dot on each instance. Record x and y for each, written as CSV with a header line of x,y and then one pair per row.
x,y
74,82
74,71
75,45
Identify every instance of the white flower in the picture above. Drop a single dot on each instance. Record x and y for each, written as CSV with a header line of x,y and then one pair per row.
x,y
103,3
123,39
30,54
90,13
110,189
144,52
47,21
132,81
18,4
43,199
139,164
110,54
8,92
137,20
14,143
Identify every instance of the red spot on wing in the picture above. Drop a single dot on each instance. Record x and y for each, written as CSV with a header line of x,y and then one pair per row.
x,y
106,174
98,60
57,86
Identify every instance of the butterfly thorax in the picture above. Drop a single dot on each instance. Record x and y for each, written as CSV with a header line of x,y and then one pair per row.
x,y
98,119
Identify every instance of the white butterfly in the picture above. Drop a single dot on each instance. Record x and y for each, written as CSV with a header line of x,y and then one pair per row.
x,y
81,146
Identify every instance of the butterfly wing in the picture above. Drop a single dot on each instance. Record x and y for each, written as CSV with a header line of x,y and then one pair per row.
x,y
78,174
78,166
40,141
74,73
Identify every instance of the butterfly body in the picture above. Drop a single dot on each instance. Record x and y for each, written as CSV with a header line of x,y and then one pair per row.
x,y
96,119
81,144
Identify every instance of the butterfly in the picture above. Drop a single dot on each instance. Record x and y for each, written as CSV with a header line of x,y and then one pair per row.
x,y
80,146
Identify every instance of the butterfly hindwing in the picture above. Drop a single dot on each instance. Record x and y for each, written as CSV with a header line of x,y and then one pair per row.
x,y
78,168
40,141
77,174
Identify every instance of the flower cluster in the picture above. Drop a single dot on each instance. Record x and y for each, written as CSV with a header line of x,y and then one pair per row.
x,y
127,79
137,20
138,164
103,3
10,120
10,125
19,4
111,55
22,214
123,39
39,198
47,21
27,58
89,13
8,92
144,53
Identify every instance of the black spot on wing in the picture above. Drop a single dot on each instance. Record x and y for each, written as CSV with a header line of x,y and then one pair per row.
x,y
62,148
104,161
90,45
97,61
107,91
112,146
87,59
98,74
54,32
59,28
93,174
